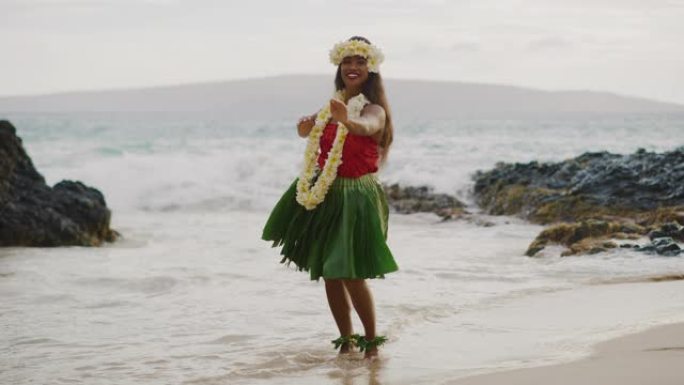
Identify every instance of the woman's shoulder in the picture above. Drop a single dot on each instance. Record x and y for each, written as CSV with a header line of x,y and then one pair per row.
x,y
373,108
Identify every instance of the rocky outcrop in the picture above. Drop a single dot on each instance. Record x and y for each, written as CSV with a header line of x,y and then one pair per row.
x,y
591,199
407,200
34,214
663,241
584,237
593,184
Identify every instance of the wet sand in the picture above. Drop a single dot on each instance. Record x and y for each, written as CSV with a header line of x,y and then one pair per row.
x,y
654,357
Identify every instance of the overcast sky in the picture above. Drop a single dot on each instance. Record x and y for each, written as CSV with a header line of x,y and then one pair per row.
x,y
630,47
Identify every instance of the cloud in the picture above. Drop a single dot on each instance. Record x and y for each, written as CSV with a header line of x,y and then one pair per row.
x,y
463,46
551,43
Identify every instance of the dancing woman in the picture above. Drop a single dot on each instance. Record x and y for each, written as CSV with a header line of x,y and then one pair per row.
x,y
332,221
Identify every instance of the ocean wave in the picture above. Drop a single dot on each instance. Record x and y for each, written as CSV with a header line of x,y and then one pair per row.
x,y
175,163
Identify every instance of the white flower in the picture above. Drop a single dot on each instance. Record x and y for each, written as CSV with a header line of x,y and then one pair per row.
x,y
360,48
356,104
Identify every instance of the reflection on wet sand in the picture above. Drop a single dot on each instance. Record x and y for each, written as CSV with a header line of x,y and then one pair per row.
x,y
353,369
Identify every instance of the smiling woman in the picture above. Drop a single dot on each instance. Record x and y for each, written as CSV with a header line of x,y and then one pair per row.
x,y
332,221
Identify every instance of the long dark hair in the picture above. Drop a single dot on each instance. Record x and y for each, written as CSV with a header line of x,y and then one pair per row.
x,y
375,92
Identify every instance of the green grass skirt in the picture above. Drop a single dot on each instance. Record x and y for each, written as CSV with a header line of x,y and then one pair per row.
x,y
343,237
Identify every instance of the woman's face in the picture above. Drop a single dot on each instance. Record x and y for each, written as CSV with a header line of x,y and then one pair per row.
x,y
354,71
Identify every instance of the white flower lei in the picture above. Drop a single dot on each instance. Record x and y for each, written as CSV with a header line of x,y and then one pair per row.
x,y
357,48
310,196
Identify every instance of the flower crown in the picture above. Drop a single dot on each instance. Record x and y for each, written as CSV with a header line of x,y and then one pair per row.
x,y
357,48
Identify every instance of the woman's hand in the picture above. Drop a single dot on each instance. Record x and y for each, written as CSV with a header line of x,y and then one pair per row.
x,y
305,124
338,110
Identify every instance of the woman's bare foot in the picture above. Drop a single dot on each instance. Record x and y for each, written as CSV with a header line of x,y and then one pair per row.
x,y
345,348
370,346
345,343
371,353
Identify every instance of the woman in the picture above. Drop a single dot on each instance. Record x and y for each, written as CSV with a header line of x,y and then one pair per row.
x,y
332,220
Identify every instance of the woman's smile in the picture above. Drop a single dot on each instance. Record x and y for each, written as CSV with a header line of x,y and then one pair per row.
x,y
353,75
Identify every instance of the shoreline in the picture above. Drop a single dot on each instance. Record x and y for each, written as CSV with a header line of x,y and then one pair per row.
x,y
653,356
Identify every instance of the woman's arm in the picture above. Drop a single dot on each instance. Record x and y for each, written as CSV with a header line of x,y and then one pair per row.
x,y
371,121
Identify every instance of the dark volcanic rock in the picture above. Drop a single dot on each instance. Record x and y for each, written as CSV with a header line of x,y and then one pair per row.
x,y
595,197
34,214
407,200
663,246
584,237
672,230
663,240
593,184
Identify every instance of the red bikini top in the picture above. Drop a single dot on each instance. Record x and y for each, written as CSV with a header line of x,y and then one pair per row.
x,y
359,154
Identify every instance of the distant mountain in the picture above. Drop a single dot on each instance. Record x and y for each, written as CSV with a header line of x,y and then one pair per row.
x,y
287,97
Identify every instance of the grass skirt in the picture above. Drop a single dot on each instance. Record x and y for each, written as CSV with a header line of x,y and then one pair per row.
x,y
343,237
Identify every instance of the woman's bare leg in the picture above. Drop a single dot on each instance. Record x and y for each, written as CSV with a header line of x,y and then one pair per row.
x,y
362,298
338,300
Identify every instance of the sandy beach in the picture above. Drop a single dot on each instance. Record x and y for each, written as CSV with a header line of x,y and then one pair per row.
x,y
652,357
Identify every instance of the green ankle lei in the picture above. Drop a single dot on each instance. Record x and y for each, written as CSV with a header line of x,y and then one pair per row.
x,y
359,341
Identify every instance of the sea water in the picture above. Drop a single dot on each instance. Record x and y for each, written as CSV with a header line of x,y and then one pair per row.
x,y
190,294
